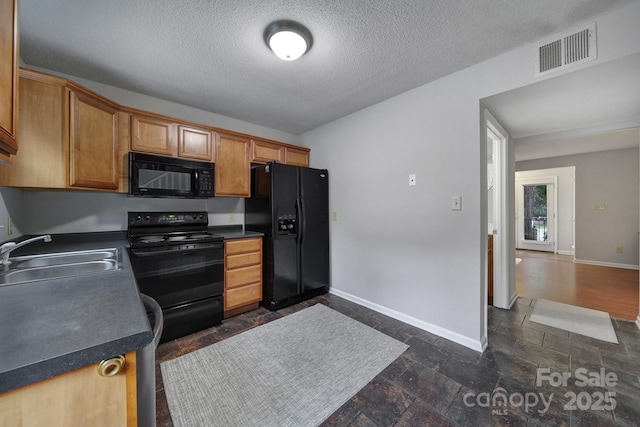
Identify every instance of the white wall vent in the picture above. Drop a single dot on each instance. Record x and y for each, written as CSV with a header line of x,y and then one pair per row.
x,y
565,50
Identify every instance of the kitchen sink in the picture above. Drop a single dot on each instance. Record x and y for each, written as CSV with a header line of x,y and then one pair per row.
x,y
62,264
62,258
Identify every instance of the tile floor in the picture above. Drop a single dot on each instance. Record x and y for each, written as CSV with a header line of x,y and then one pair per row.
x,y
440,383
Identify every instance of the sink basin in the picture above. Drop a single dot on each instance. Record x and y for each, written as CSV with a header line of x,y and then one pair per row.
x,y
62,258
56,271
62,264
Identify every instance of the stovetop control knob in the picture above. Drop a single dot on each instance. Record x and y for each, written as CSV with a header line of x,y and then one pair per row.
x,y
201,216
138,217
195,216
147,217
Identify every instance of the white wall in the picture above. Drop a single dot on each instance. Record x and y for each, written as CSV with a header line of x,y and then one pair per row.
x,y
11,206
402,249
89,211
565,175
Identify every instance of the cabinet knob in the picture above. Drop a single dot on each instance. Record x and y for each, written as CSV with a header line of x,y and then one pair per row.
x,y
111,367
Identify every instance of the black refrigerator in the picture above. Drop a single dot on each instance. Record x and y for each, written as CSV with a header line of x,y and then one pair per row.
x,y
290,205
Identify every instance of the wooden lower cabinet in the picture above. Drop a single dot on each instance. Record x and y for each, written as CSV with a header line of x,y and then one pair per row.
x,y
75,399
242,275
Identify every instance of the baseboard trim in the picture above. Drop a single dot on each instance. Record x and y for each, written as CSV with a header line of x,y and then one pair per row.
x,y
608,264
479,346
573,253
514,298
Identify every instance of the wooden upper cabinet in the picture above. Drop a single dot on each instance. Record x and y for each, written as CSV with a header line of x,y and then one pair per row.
x,y
233,166
42,159
9,63
153,135
265,151
195,143
69,137
93,142
297,156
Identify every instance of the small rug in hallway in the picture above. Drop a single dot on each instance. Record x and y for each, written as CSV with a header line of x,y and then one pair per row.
x,y
294,371
583,321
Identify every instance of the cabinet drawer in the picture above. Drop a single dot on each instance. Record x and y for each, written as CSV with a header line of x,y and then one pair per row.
x,y
243,276
242,260
242,296
243,245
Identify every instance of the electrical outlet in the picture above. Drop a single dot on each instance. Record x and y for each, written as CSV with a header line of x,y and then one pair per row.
x,y
599,207
9,227
618,249
232,217
335,215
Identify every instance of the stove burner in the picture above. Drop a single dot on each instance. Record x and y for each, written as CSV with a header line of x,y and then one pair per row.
x,y
199,236
177,238
151,239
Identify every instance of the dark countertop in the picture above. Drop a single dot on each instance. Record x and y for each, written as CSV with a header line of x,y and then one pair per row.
x,y
50,327
234,232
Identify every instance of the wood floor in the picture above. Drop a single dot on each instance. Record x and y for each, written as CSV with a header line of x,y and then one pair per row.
x,y
557,278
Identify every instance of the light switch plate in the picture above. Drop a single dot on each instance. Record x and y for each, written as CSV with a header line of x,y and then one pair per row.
x,y
412,180
456,203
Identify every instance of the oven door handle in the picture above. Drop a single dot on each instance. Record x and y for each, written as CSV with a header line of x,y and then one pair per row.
x,y
176,252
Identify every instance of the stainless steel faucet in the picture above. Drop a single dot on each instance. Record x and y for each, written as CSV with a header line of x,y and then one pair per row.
x,y
7,248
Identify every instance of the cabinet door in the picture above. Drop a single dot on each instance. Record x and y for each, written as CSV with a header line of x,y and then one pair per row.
x,y
264,151
153,135
8,76
297,156
93,143
42,160
75,399
194,143
233,166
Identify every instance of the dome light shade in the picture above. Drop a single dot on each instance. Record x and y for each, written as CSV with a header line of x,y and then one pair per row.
x,y
287,39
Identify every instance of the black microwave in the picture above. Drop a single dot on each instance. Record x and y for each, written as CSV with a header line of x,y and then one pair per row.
x,y
160,176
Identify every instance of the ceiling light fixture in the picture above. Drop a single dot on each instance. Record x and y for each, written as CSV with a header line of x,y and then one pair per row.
x,y
288,39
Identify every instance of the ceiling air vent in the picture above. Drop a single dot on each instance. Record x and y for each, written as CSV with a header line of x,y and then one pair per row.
x,y
566,50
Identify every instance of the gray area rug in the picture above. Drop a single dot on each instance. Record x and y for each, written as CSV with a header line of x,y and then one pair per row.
x,y
583,321
294,371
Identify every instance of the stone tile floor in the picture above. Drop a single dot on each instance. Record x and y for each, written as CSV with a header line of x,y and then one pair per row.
x,y
437,382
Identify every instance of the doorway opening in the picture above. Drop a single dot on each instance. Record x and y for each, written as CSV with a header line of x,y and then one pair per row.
x,y
536,214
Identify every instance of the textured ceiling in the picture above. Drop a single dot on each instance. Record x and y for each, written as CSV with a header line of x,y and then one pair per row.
x,y
210,54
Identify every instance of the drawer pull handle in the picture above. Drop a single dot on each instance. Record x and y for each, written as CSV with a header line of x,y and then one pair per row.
x,y
111,367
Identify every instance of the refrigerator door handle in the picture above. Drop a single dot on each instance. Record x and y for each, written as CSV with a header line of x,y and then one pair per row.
x,y
300,219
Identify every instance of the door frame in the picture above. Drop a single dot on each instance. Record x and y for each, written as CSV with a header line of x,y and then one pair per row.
x,y
501,263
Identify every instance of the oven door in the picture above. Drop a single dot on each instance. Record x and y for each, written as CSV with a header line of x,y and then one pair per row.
x,y
177,277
